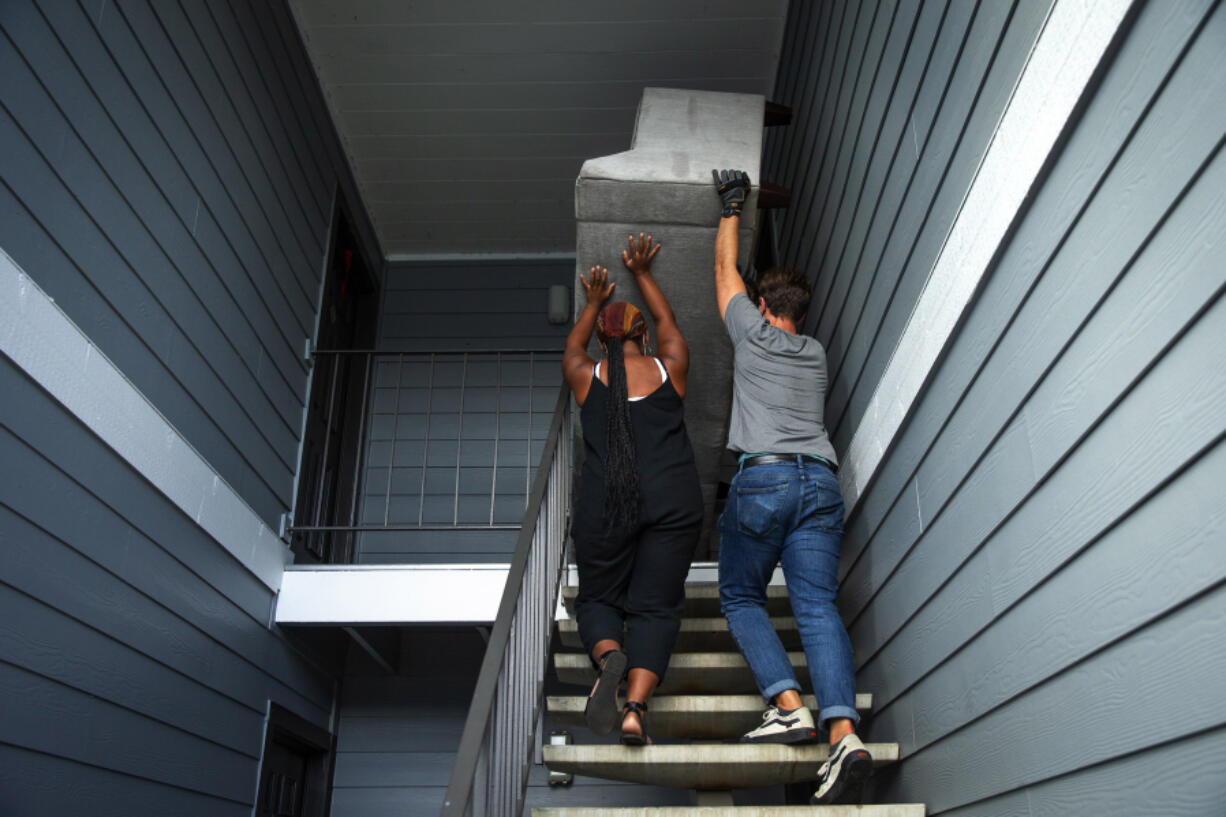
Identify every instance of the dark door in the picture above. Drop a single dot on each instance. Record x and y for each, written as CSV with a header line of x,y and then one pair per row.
x,y
295,769
328,484
283,782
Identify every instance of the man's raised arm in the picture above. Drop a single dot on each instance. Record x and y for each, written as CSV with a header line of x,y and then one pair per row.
x,y
733,187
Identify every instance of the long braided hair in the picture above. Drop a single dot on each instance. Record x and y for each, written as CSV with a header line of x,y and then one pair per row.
x,y
617,323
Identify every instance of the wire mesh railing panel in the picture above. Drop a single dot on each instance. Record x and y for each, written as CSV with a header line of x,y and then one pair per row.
x,y
448,441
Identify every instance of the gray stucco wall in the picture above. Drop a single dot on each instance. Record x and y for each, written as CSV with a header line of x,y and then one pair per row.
x,y
168,178
168,174
1034,583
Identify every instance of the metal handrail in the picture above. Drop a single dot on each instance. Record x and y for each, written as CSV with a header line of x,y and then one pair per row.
x,y
490,776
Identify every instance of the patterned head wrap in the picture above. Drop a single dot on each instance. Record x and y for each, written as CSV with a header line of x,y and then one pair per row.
x,y
621,320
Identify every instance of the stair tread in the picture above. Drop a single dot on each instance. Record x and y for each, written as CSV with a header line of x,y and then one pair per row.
x,y
688,672
713,704
705,624
701,765
707,633
706,590
708,717
875,810
703,599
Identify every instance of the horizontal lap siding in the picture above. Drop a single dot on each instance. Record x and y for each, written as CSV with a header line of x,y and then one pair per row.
x,y
170,174
1034,583
398,733
138,648
472,427
894,105
470,304
168,179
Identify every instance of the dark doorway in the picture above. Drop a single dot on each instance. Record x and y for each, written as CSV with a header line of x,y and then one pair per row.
x,y
295,768
329,480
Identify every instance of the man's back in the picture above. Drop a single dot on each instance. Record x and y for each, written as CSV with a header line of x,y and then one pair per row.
x,y
779,387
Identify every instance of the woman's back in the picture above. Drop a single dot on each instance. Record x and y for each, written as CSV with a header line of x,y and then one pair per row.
x,y
664,458
643,375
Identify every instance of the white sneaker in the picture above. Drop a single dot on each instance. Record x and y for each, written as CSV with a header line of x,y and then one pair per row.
x,y
782,726
841,778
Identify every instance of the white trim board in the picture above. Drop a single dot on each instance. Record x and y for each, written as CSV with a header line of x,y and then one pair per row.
x,y
44,342
356,595
1074,40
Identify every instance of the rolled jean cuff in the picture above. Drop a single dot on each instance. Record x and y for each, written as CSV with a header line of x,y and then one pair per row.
x,y
829,713
779,686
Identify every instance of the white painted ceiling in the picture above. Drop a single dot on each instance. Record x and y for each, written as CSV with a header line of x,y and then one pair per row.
x,y
466,121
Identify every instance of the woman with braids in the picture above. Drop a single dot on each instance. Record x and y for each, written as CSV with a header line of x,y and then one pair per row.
x,y
639,506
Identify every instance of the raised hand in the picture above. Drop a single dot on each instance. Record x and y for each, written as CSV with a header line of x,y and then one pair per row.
x,y
733,187
638,258
598,289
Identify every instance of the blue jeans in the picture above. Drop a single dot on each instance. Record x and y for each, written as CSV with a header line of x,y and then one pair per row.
x,y
791,514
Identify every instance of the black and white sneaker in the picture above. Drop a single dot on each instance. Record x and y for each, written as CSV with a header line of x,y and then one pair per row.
x,y
841,778
783,726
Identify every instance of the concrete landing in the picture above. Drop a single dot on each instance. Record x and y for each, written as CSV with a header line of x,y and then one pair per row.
x,y
696,672
892,810
701,765
698,634
703,600
701,717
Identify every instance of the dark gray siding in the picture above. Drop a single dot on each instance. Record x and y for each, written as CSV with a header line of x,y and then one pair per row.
x,y
399,733
168,178
1034,582
431,306
136,662
894,103
472,425
454,440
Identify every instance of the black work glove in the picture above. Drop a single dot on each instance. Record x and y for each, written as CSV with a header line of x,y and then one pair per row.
x,y
733,187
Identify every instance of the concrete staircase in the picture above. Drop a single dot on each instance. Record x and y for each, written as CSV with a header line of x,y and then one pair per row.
x,y
707,698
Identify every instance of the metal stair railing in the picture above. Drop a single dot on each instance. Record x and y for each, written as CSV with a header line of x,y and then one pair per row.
x,y
490,776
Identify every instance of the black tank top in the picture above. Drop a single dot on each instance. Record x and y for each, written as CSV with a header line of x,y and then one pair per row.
x,y
669,493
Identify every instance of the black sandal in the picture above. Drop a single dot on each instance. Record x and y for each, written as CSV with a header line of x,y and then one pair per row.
x,y
600,714
640,711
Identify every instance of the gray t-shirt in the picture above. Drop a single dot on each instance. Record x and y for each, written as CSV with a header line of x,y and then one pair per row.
x,y
778,387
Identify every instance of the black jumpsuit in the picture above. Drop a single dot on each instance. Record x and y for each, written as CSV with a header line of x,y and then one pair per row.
x,y
636,578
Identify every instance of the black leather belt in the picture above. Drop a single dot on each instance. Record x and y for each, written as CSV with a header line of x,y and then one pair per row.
x,y
767,459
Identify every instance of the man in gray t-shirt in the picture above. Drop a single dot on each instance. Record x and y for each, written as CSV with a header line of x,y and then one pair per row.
x,y
784,508
779,385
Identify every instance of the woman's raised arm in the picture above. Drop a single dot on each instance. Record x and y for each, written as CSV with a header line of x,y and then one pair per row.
x,y
576,363
674,351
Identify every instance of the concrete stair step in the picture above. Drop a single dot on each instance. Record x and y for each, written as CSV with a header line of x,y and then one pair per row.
x,y
688,672
701,717
701,765
702,600
892,810
698,634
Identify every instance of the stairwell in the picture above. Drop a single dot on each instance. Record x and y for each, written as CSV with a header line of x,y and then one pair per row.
x,y
707,699
662,185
